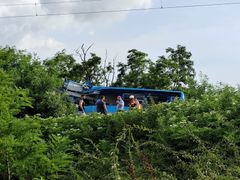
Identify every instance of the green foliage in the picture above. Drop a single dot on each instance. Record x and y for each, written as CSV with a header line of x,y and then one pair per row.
x,y
197,90
196,139
24,154
14,61
133,73
173,72
30,74
12,99
61,64
91,70
51,104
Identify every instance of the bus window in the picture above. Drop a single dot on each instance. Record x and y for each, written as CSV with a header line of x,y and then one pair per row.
x,y
111,99
90,100
162,99
170,98
154,99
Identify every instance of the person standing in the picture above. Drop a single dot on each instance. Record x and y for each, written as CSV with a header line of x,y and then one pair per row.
x,y
81,105
120,104
139,106
132,103
101,105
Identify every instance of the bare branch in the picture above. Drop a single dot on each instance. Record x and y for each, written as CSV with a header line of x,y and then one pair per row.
x,y
104,68
114,69
82,52
105,59
89,48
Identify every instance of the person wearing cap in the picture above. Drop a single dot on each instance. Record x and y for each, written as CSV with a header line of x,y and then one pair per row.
x,y
120,104
132,103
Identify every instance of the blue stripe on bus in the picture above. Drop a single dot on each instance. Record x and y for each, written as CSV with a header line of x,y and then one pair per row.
x,y
110,108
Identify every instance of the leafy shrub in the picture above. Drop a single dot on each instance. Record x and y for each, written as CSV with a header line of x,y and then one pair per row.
x,y
195,139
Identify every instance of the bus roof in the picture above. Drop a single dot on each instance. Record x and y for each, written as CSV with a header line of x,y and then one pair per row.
x,y
121,90
85,89
131,89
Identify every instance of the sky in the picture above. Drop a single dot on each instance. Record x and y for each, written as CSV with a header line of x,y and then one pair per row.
x,y
212,34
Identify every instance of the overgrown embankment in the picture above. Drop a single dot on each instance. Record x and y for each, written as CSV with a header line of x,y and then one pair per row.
x,y
195,139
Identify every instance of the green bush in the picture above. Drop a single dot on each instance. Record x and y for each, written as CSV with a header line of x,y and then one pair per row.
x,y
41,84
195,139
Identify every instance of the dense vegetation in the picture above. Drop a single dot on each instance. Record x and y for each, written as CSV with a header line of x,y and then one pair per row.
x,y
41,137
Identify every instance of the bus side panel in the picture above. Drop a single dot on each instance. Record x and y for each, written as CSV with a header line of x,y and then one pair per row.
x,y
90,109
110,108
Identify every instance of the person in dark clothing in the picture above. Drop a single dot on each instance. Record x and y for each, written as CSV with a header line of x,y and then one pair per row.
x,y
101,105
132,103
81,105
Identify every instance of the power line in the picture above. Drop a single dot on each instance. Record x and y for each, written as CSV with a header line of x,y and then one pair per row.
x,y
45,3
121,10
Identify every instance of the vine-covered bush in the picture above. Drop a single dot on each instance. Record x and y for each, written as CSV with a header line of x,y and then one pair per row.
x,y
194,139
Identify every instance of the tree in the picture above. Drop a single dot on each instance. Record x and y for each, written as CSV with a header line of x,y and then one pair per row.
x,y
199,89
24,154
157,78
12,99
44,85
61,64
133,74
91,68
108,70
178,66
174,72
14,61
29,73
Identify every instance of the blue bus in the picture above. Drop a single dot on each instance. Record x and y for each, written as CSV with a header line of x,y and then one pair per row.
x,y
93,93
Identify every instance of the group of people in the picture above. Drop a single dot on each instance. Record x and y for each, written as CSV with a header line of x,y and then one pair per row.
x,y
102,108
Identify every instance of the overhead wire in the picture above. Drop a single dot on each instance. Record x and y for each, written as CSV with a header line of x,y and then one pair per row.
x,y
120,10
44,3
